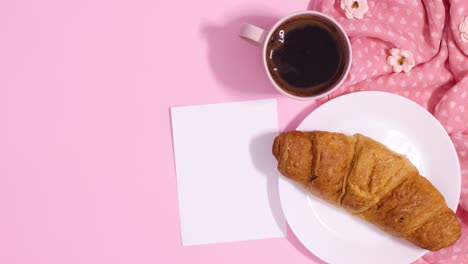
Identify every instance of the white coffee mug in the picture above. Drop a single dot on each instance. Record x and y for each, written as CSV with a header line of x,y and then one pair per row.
x,y
259,36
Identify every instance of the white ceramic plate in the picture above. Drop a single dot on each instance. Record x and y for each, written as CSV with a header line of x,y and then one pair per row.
x,y
338,237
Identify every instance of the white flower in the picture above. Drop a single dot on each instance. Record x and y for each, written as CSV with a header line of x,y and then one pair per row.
x,y
401,60
464,30
354,8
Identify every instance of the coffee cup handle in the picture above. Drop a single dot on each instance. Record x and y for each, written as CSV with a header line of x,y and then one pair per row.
x,y
253,34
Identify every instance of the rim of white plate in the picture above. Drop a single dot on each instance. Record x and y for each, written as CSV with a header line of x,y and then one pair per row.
x,y
376,95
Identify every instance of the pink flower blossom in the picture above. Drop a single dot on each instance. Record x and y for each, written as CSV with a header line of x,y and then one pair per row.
x,y
464,30
401,60
355,8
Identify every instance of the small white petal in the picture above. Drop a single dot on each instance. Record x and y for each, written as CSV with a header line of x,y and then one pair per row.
x,y
464,37
406,68
343,4
392,60
397,68
359,16
395,52
349,14
410,61
406,53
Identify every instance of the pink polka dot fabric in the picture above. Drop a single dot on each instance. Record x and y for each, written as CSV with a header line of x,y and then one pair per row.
x,y
430,29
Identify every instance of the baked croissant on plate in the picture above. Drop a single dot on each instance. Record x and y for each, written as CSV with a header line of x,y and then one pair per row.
x,y
368,180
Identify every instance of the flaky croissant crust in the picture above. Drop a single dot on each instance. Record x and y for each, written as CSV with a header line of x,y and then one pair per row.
x,y
371,181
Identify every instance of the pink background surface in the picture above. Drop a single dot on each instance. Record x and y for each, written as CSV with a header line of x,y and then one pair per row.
x,y
87,170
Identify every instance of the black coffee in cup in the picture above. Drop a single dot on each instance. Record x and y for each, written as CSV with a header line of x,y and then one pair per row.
x,y
307,55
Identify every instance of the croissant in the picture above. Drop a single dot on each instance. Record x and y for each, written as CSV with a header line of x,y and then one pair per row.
x,y
368,180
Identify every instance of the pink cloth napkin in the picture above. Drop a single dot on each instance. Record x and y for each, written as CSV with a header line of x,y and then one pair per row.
x,y
433,31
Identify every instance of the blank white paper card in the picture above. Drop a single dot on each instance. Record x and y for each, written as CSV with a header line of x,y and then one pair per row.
x,y
226,174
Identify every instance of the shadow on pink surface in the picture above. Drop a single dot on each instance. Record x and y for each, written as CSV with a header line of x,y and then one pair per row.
x,y
291,237
236,63
299,117
462,215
